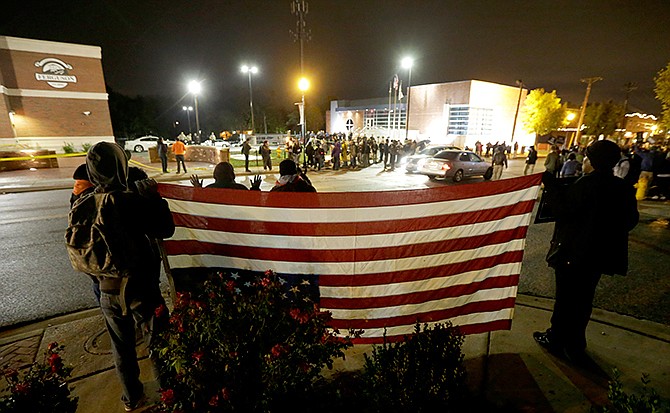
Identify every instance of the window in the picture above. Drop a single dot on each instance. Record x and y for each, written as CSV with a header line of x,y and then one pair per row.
x,y
447,155
466,120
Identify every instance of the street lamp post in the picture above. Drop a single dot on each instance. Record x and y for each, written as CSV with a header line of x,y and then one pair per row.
x,y
250,70
188,110
303,85
407,63
194,87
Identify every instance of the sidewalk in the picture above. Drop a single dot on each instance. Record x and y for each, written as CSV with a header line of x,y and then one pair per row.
x,y
517,374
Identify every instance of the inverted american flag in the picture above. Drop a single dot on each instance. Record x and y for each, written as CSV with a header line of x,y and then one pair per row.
x,y
379,261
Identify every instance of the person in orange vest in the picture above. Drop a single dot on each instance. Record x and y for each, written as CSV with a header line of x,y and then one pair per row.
x,y
179,150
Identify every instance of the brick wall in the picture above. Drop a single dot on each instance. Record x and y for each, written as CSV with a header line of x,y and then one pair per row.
x,y
18,68
60,117
46,116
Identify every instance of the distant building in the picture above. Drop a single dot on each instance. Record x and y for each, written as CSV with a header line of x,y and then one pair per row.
x,y
458,113
640,128
51,93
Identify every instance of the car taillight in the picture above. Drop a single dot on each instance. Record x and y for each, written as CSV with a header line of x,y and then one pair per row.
x,y
446,166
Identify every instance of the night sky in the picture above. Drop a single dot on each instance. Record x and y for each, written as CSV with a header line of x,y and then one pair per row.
x,y
155,47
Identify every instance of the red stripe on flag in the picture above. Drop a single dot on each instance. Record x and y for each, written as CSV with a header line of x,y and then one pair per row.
x,y
346,199
350,228
419,296
427,317
343,255
337,280
465,330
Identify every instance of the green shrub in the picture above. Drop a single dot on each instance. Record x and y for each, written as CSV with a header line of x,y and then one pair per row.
x,y
42,388
85,147
423,373
621,402
246,346
68,147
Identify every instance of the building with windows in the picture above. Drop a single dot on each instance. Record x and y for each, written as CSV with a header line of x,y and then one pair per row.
x,y
455,113
51,94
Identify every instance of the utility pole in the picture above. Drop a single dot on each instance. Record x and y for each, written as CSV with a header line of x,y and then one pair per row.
x,y
300,8
516,114
589,81
629,88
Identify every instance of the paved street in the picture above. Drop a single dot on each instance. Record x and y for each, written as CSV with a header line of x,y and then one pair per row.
x,y
37,281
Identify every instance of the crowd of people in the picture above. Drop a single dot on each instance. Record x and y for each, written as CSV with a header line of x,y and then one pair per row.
x,y
349,151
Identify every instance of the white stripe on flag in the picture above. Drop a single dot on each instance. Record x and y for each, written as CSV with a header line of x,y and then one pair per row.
x,y
429,284
363,214
367,267
462,320
434,305
346,242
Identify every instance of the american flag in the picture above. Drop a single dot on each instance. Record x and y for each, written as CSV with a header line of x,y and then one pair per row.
x,y
378,261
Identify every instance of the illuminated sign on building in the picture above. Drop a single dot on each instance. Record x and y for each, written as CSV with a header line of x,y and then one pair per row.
x,y
55,72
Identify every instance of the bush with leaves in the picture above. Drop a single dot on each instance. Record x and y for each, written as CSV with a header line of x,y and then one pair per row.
x,y
42,388
85,147
423,373
621,402
247,346
68,147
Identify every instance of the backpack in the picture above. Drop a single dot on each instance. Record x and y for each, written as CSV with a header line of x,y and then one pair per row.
x,y
95,240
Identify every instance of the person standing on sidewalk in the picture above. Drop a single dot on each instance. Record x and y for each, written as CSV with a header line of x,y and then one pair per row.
x,y
266,154
530,161
246,149
162,149
179,150
499,160
130,296
553,162
593,218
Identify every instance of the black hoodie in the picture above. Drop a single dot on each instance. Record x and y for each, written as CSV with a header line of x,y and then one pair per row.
x,y
140,217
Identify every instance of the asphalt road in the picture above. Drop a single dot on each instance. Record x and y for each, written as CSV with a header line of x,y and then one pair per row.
x,y
37,281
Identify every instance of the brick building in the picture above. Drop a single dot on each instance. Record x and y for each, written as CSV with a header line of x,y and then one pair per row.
x,y
51,93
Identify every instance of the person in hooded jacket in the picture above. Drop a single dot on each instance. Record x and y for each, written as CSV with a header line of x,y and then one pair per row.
x,y
291,180
135,300
82,185
593,218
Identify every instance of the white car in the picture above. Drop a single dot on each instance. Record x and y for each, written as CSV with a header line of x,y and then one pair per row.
x,y
144,143
415,162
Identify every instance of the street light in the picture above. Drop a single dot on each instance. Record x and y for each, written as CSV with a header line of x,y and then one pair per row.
x,y
188,110
194,88
303,85
250,70
407,63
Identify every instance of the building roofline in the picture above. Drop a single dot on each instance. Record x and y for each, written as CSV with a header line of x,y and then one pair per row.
x,y
49,47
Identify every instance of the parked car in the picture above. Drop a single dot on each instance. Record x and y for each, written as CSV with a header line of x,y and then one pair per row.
x,y
144,143
456,164
414,162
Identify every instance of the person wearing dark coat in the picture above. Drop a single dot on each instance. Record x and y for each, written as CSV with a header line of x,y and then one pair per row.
x,y
593,218
291,180
224,177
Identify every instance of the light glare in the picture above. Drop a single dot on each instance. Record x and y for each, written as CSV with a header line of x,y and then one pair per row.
x,y
194,87
303,84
